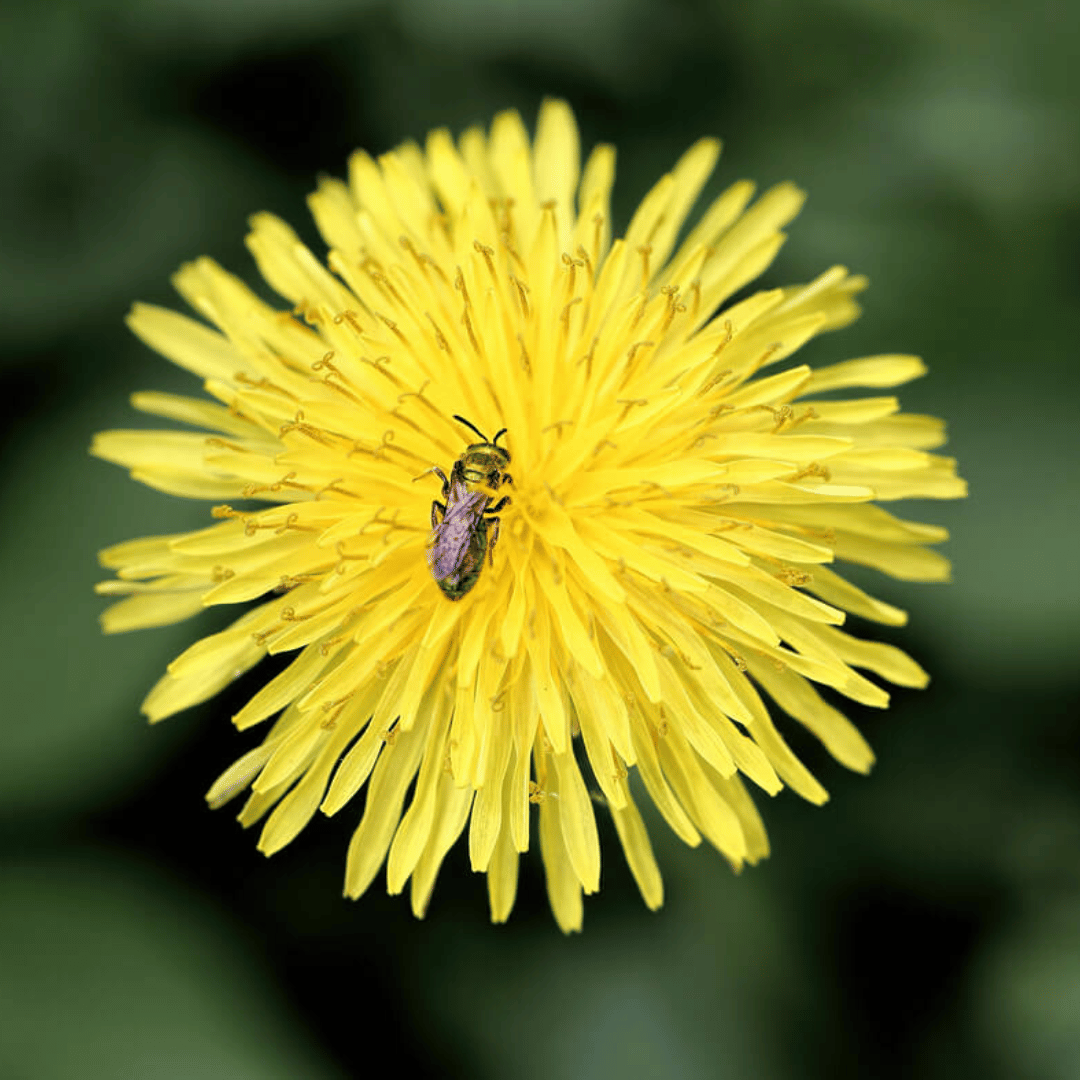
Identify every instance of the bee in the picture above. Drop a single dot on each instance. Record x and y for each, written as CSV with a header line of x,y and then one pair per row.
x,y
460,536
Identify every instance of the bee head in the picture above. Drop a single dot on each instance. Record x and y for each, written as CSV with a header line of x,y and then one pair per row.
x,y
489,448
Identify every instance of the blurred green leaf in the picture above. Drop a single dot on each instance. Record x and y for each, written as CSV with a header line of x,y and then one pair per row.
x,y
71,723
1025,991
113,970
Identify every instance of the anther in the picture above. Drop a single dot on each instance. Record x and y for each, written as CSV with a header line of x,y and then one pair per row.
x,y
564,318
469,329
587,359
218,443
351,318
790,576
598,226
333,486
522,294
645,251
695,292
584,256
653,485
558,425
488,254
423,260
814,470
729,333
392,327
767,355
716,380
780,414
673,307
387,439
628,404
459,284
439,336
415,393
293,522
526,363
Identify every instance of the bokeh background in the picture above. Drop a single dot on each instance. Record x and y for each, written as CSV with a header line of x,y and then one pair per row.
x,y
926,922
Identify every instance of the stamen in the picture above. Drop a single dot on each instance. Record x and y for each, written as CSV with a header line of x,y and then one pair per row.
x,y
488,254
244,379
526,363
558,425
291,522
695,304
312,432
790,576
392,327
459,284
814,469
632,351
440,338
333,486
716,380
628,404
467,320
423,260
584,256
344,556
351,318
673,307
587,359
564,317
522,294
598,226
781,415
645,251
288,480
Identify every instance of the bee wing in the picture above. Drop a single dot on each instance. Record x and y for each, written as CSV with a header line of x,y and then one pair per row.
x,y
451,539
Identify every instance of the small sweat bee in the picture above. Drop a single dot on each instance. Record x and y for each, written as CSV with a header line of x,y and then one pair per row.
x,y
460,538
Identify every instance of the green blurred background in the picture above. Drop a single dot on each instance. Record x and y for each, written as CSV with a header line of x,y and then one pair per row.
x,y
926,922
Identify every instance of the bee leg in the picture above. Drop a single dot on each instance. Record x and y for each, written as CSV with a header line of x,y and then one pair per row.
x,y
437,508
507,478
498,506
491,543
440,474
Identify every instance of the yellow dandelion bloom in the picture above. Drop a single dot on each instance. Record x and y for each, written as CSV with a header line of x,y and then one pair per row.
x,y
664,534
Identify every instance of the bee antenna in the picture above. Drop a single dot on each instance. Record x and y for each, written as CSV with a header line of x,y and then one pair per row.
x,y
473,426
495,441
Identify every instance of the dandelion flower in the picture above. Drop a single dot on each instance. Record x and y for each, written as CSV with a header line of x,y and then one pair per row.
x,y
661,590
